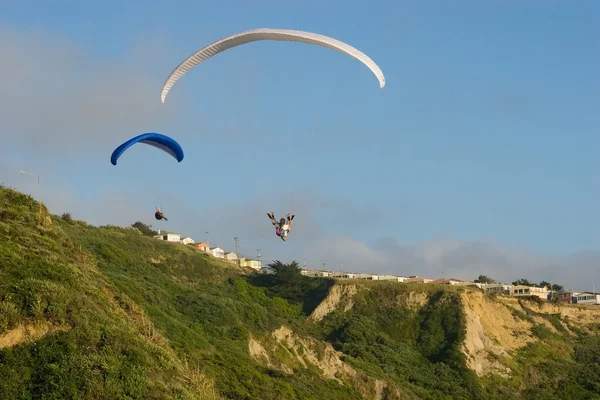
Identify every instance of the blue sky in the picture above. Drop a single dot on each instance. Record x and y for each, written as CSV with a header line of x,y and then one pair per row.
x,y
487,128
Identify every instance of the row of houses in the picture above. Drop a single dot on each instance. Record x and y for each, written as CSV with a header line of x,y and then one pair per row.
x,y
216,251
564,296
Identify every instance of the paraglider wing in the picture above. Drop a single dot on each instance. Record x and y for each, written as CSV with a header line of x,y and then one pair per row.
x,y
267,34
157,140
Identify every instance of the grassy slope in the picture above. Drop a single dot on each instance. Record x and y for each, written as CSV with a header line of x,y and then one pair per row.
x,y
139,318
133,317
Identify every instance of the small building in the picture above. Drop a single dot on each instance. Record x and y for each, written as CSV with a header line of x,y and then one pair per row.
x,y
266,269
168,236
369,277
494,288
316,273
418,279
450,281
254,264
587,298
217,252
230,256
392,278
521,290
187,240
203,246
564,296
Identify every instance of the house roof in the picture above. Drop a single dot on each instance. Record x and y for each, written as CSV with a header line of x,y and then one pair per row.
x,y
162,232
202,244
214,248
521,287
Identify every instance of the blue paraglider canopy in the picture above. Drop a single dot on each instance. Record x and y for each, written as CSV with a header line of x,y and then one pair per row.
x,y
157,140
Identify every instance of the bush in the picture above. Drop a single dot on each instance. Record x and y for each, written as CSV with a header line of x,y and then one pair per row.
x,y
66,217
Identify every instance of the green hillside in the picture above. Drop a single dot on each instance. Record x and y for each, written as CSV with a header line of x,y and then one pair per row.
x,y
108,313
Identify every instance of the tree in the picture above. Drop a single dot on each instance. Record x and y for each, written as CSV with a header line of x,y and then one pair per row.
x,y
288,283
67,217
484,279
554,287
522,281
145,229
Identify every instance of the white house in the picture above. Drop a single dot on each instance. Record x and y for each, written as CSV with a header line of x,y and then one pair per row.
x,y
521,290
231,256
254,264
343,275
168,236
217,252
187,240
418,279
310,272
588,298
493,288
369,277
392,278
267,270
454,282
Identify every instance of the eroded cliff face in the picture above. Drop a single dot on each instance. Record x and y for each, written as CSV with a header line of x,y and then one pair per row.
x,y
496,327
339,294
492,332
285,350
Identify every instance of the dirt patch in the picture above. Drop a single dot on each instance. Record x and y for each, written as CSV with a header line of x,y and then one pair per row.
x,y
414,301
338,294
157,260
27,333
258,352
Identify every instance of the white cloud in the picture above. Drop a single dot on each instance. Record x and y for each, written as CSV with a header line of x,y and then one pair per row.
x,y
57,96
466,260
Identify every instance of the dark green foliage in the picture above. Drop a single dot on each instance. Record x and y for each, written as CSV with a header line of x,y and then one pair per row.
x,y
524,282
144,228
520,314
288,283
587,356
484,279
418,350
67,217
542,332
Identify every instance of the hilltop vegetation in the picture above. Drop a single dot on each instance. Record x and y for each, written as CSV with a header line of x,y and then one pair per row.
x,y
107,312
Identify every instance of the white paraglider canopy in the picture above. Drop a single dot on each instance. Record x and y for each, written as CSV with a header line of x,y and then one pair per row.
x,y
267,34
